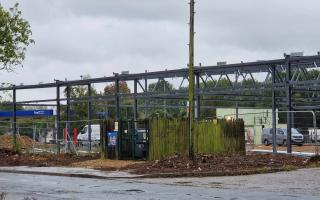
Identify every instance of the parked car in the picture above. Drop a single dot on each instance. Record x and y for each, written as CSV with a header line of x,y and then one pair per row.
x,y
281,136
95,133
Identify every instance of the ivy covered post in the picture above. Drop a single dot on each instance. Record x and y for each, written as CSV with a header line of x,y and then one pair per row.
x,y
191,79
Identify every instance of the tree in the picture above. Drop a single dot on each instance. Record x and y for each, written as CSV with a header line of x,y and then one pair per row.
x,y
109,90
79,110
164,87
15,33
123,88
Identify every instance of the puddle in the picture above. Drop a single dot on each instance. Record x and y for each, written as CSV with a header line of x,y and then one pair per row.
x,y
187,183
215,185
126,192
135,191
96,186
288,195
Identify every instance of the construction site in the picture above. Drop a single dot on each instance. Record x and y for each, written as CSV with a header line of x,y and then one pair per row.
x,y
224,119
234,109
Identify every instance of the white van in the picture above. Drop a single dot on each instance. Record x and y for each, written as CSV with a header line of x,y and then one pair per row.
x,y
95,133
313,134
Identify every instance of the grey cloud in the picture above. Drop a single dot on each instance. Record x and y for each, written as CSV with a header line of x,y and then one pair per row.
x,y
261,25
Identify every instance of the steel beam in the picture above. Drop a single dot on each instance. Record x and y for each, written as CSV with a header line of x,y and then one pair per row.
x,y
250,67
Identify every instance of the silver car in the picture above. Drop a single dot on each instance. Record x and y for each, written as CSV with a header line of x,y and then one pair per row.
x,y
281,136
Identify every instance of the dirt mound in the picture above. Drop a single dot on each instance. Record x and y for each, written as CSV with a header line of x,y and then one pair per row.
x,y
212,163
10,158
315,159
178,165
6,142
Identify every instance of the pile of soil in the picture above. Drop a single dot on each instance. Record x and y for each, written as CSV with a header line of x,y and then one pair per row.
x,y
315,159
6,142
10,158
222,165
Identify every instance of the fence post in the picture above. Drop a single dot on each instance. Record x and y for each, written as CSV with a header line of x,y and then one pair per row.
x,y
103,139
315,133
33,137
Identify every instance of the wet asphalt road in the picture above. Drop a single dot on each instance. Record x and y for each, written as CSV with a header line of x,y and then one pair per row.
x,y
301,184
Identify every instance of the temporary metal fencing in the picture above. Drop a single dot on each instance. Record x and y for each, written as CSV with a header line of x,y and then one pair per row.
x,y
44,137
305,122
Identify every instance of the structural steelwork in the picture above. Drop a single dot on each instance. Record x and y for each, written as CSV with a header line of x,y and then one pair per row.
x,y
279,80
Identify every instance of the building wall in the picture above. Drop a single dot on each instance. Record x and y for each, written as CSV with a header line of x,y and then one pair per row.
x,y
254,121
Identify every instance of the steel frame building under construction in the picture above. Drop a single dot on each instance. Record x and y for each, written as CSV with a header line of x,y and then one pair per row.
x,y
281,79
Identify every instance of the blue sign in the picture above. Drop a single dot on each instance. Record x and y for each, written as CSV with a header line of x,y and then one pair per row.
x,y
112,139
27,113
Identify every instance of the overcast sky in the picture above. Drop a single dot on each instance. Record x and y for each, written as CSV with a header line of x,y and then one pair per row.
x,y
99,37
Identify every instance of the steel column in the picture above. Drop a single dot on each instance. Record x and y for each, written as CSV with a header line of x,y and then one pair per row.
x,y
117,96
14,125
58,118
274,115
68,127
198,112
289,107
89,115
145,100
135,103
237,110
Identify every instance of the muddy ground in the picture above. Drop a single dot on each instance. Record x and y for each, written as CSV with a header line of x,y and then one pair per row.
x,y
10,158
222,165
201,165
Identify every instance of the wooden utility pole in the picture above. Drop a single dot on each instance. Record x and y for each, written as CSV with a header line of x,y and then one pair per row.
x,y
191,79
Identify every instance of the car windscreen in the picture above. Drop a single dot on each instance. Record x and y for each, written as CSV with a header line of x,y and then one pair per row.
x,y
293,131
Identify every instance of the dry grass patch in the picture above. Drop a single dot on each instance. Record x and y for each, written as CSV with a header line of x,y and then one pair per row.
x,y
105,164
